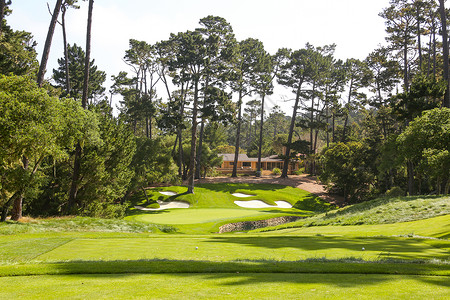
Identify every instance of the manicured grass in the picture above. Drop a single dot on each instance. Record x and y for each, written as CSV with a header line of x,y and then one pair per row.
x,y
219,195
213,205
225,286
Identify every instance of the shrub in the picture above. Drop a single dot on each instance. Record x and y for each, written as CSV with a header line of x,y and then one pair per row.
x,y
395,192
276,171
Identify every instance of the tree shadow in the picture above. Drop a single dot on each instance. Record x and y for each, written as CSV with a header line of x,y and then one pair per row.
x,y
388,248
234,187
257,272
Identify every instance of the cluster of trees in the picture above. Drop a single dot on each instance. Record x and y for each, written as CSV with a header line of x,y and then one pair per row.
x,y
364,126
401,141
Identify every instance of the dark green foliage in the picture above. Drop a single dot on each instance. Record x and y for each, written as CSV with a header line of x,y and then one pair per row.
x,y
346,166
105,172
425,142
76,57
152,164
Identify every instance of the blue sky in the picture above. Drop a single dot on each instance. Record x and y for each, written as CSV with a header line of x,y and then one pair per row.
x,y
353,25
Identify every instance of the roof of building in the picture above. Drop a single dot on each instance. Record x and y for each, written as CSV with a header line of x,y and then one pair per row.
x,y
245,158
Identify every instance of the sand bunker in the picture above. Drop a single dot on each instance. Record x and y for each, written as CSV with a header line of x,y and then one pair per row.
x,y
168,193
240,195
166,205
262,204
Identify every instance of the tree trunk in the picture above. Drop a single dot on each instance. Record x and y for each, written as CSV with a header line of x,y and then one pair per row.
x,y
419,42
193,140
71,203
48,43
66,55
410,171
6,206
344,131
202,128
261,127
88,55
16,212
238,136
446,102
199,150
284,173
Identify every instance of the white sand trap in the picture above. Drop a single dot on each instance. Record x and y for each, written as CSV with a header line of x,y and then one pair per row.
x,y
283,204
240,195
168,193
166,205
253,204
262,204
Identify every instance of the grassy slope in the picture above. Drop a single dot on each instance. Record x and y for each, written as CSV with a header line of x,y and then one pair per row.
x,y
380,211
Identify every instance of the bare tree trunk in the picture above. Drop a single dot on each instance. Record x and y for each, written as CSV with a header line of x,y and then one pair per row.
x,y
238,136
202,128
284,173
410,171
419,41
6,206
66,55
16,212
199,150
48,43
261,127
78,150
193,140
88,55
446,102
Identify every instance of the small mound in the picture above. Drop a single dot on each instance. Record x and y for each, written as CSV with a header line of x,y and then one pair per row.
x,y
241,195
168,193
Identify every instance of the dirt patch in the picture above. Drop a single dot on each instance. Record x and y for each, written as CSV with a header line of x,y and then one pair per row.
x,y
304,182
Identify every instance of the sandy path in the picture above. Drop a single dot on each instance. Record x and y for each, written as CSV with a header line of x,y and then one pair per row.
x,y
304,182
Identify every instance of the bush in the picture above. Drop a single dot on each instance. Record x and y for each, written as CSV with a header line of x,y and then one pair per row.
x,y
104,210
395,192
299,171
276,171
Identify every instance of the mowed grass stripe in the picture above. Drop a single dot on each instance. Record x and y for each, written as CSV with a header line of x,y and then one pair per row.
x,y
224,286
232,248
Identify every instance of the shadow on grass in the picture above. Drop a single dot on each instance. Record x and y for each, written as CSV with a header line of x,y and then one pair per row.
x,y
388,248
248,272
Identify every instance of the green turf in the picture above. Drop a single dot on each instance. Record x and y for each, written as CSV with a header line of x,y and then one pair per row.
x,y
126,258
225,286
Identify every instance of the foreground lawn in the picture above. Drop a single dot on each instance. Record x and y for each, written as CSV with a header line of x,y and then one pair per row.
x,y
150,255
225,285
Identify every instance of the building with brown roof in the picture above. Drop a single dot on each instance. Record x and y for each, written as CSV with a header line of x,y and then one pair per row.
x,y
249,165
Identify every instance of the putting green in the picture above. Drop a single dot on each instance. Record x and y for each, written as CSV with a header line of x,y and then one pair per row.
x,y
200,215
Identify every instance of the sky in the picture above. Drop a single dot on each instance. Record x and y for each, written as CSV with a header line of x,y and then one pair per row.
x,y
353,25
